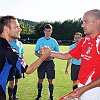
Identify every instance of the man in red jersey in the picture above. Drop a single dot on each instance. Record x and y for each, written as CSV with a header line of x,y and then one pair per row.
x,y
89,51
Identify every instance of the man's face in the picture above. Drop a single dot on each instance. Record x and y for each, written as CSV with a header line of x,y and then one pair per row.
x,y
77,38
48,32
14,31
89,24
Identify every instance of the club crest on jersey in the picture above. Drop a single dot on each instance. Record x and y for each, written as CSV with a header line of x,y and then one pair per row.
x,y
89,49
23,63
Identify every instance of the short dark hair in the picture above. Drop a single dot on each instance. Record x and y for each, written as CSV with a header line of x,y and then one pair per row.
x,y
48,26
78,33
5,21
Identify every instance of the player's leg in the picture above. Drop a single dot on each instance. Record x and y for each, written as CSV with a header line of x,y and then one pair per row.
x,y
17,76
41,76
74,74
11,80
15,90
51,76
75,86
51,88
39,86
10,90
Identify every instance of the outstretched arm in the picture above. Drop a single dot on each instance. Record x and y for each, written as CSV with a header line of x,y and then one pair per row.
x,y
37,63
61,55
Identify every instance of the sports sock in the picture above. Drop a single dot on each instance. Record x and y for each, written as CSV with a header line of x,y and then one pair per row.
x,y
39,89
10,92
51,87
15,91
75,87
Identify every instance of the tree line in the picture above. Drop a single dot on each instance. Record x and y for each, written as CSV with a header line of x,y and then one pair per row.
x,y
61,30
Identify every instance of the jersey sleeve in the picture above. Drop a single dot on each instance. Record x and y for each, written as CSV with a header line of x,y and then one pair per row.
x,y
57,47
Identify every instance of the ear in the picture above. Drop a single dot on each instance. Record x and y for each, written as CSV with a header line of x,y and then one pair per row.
x,y
98,22
5,29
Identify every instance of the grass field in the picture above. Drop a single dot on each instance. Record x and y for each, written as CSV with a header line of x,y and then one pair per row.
x,y
27,88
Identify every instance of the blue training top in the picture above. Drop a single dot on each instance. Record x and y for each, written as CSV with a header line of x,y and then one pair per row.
x,y
51,43
18,46
73,60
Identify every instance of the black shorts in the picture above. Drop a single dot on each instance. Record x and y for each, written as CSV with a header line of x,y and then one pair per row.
x,y
2,94
14,74
74,72
48,68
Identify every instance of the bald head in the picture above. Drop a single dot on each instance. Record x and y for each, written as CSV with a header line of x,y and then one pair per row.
x,y
91,22
94,13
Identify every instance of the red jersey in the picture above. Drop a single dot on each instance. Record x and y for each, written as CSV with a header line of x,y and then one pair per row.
x,y
89,51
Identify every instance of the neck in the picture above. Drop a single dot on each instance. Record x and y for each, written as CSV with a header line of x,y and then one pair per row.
x,y
93,35
5,37
47,38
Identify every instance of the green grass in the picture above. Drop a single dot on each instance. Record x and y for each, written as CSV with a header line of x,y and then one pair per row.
x,y
27,87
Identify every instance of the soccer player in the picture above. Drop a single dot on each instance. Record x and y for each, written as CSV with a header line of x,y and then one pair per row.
x,y
89,51
10,30
75,64
48,65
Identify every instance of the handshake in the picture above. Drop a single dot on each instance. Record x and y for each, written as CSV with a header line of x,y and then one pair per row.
x,y
46,52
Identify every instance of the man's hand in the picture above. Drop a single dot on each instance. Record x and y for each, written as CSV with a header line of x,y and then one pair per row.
x,y
77,92
66,71
45,51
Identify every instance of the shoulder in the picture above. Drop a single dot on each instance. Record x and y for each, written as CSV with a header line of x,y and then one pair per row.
x,y
42,38
74,44
98,37
53,39
85,39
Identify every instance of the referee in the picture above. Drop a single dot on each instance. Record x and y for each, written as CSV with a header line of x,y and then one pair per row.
x,y
48,66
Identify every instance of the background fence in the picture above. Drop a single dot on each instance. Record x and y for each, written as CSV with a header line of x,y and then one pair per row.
x,y
33,41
